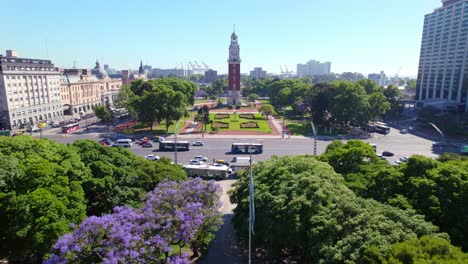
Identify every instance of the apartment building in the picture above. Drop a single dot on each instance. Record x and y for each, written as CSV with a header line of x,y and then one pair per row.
x,y
29,91
443,64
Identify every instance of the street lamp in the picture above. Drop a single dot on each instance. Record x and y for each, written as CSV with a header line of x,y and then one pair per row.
x,y
251,206
175,141
203,123
315,137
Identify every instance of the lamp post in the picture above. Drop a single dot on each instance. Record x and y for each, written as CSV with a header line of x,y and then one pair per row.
x,y
250,206
175,142
203,123
315,137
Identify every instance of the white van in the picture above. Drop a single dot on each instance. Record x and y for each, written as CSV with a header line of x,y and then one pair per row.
x,y
241,159
123,143
124,140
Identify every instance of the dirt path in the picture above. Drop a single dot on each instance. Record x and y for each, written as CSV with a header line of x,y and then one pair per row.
x,y
225,249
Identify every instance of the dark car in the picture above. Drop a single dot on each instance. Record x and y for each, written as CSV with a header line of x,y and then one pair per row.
x,y
147,145
387,154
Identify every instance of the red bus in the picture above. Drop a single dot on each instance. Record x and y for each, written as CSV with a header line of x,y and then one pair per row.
x,y
70,128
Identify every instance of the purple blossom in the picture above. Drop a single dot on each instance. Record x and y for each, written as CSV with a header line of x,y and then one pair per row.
x,y
172,214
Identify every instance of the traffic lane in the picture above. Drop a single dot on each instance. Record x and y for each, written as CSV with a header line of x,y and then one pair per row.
x,y
219,149
403,145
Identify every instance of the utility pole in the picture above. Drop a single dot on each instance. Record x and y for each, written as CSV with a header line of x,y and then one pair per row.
x,y
175,141
250,208
203,125
315,137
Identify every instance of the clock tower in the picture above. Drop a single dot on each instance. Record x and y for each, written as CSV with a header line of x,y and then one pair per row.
x,y
234,95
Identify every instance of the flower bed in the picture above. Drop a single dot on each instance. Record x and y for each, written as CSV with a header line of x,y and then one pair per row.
x,y
247,116
221,116
220,124
249,125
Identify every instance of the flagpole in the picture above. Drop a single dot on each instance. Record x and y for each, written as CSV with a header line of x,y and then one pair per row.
x,y
250,209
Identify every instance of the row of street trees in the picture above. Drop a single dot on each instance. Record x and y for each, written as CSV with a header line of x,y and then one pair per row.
x,y
165,99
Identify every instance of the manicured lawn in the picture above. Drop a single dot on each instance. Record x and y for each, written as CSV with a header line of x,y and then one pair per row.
x,y
161,128
200,101
298,127
264,101
235,122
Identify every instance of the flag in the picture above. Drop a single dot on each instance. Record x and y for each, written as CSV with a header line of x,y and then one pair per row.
x,y
251,205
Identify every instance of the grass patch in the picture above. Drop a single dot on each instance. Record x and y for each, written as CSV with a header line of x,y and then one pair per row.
x,y
298,127
264,101
235,121
160,129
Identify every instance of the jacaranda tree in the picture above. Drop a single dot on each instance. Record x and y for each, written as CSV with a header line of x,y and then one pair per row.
x,y
176,215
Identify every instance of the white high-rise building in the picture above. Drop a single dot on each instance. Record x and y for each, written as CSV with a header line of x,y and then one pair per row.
x,y
29,91
313,68
379,78
258,73
443,65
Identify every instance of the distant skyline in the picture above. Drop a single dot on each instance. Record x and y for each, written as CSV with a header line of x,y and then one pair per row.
x,y
355,36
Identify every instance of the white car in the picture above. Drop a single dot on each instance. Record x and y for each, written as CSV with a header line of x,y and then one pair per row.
x,y
404,159
201,158
152,157
196,162
198,143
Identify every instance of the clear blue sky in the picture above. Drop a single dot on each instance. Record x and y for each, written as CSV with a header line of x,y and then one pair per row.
x,y
360,36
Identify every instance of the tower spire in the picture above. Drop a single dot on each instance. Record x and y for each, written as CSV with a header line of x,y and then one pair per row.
x,y
234,28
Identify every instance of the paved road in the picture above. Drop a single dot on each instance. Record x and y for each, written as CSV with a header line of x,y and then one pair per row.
x,y
225,248
217,147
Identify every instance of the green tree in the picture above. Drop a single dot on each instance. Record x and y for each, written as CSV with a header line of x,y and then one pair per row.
x,y
119,176
204,113
103,114
40,196
219,86
394,96
348,103
267,109
303,208
426,249
378,106
253,97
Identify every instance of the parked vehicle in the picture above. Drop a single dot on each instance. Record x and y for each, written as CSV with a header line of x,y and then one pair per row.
x,y
387,154
124,140
221,162
404,131
152,157
196,162
404,159
33,129
55,124
147,145
123,144
240,159
439,144
200,158
198,143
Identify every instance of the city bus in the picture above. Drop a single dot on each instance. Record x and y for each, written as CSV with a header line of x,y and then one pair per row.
x,y
169,145
70,128
243,148
208,171
379,127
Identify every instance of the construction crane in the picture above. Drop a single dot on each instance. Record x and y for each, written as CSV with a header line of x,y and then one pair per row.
x,y
396,79
206,66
